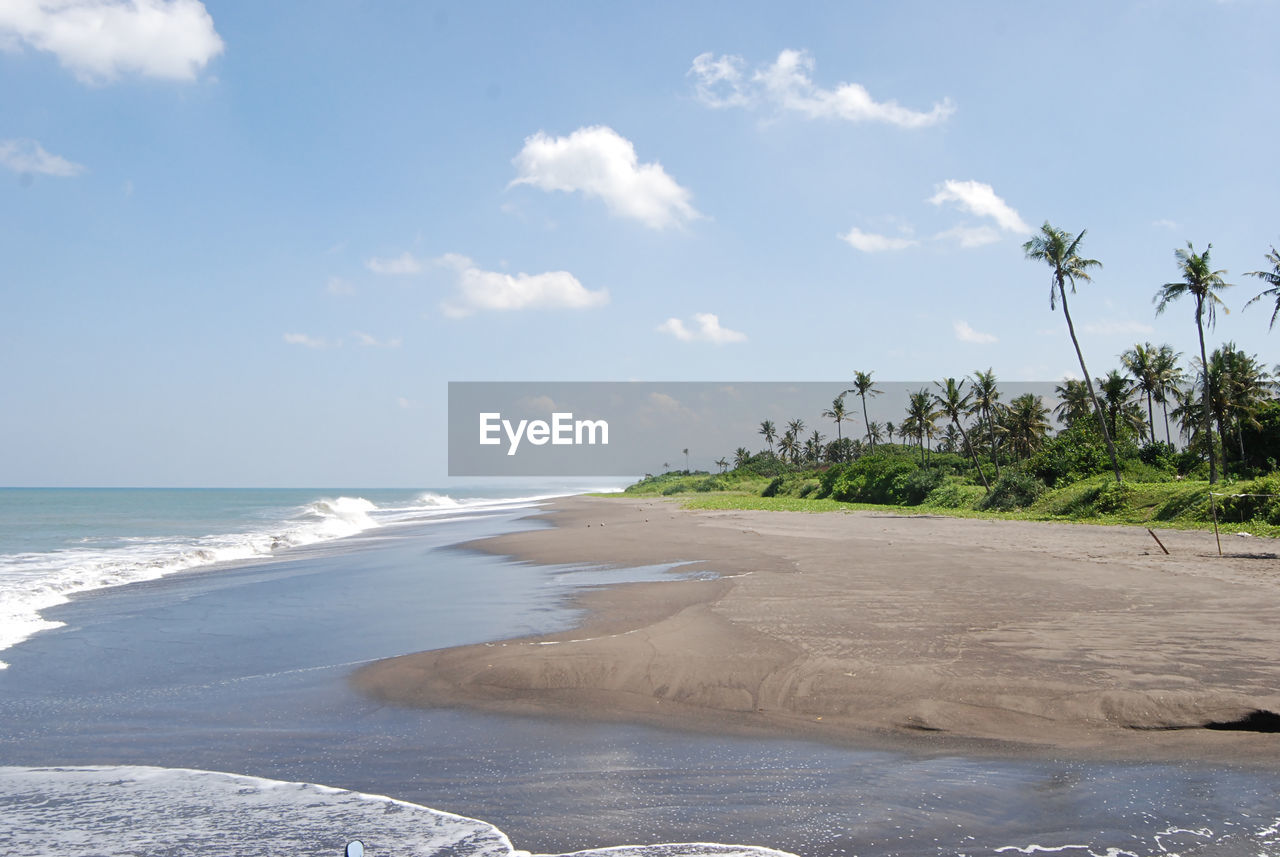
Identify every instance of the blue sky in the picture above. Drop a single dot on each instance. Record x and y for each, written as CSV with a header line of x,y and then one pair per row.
x,y
250,243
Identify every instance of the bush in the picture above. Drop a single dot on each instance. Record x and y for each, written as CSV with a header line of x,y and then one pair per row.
x,y
920,484
1246,501
874,479
953,493
1070,456
1016,489
771,490
1161,455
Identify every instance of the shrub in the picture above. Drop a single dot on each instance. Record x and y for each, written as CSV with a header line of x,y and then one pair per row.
x,y
874,479
1070,456
771,490
1016,489
953,493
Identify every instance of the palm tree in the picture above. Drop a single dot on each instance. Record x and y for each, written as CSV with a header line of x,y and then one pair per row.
x,y
1241,385
813,447
1116,403
789,446
722,463
920,417
1025,423
741,456
1272,278
1169,379
864,386
986,398
1073,402
954,401
1202,282
875,433
889,430
1060,251
1141,363
686,459
769,432
837,413
795,427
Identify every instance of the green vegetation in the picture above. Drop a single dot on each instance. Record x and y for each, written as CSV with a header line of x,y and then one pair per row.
x,y
968,451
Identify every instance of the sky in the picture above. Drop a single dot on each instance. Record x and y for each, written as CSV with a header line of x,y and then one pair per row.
x,y
249,244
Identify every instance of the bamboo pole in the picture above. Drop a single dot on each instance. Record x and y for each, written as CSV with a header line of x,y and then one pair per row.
x,y
1214,506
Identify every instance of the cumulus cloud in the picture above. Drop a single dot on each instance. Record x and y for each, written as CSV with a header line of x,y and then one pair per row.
x,y
28,156
305,341
99,40
493,290
980,199
707,329
869,242
405,263
965,333
787,85
970,236
599,162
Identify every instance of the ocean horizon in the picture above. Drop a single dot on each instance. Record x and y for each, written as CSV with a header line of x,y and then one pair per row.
x,y
176,683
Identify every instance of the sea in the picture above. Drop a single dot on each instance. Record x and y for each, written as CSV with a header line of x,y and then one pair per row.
x,y
175,683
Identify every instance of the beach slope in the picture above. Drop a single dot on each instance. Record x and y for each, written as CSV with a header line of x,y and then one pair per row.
x,y
941,634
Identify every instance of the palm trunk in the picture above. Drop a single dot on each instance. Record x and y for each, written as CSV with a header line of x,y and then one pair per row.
x,y
866,422
1088,382
972,454
1151,416
1208,398
1168,438
991,431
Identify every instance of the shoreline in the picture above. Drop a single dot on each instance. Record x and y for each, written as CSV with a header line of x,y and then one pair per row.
x,y
930,635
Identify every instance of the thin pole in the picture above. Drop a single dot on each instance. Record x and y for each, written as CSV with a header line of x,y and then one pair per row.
x,y
1214,506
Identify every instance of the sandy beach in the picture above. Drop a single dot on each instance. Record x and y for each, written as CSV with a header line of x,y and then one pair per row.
x,y
935,634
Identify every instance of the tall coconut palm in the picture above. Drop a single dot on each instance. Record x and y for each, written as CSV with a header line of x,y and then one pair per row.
x,y
1117,405
769,432
986,401
1201,282
1241,385
920,417
953,401
741,456
1060,251
1073,402
837,412
875,433
1169,379
722,463
813,447
1140,362
1025,424
864,386
789,446
1271,278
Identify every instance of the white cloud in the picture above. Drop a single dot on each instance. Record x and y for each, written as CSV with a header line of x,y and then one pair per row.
x,y
965,333
1113,328
405,263
787,85
404,403
970,236
600,162
708,329
28,156
339,286
98,40
373,342
980,199
1165,223
869,242
304,340
493,290
718,80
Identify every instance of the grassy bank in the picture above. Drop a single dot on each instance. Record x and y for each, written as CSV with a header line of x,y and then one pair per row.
x,y
1180,504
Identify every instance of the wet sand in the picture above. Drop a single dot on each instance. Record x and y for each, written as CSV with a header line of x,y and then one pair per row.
x,y
935,634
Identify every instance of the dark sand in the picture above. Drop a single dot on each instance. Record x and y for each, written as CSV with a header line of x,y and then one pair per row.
x,y
935,634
